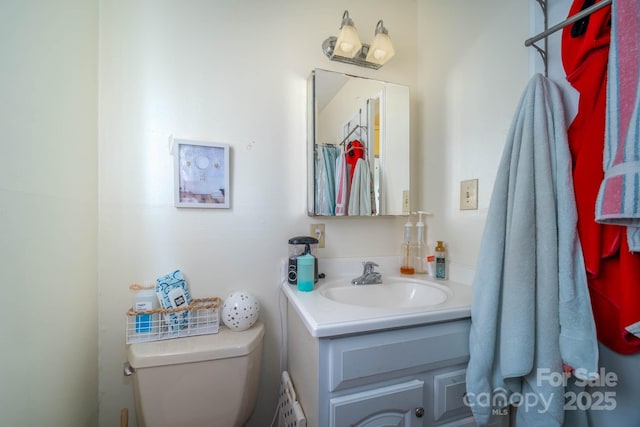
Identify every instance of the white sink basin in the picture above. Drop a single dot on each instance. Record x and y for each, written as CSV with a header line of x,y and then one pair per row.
x,y
394,292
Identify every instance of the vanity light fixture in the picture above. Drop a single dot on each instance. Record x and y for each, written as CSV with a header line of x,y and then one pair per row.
x,y
381,50
348,43
348,48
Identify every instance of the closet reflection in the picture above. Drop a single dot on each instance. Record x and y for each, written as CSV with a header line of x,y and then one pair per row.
x,y
358,146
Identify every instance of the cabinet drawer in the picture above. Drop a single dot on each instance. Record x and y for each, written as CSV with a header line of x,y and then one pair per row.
x,y
361,359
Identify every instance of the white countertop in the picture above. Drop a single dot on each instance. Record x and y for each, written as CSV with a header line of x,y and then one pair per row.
x,y
324,317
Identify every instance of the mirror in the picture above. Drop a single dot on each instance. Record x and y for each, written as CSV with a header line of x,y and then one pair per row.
x,y
358,146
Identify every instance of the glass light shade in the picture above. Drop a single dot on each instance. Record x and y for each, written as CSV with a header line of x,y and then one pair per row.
x,y
381,50
348,43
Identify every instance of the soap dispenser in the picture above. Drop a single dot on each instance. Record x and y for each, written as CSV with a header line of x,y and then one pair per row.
x,y
407,250
305,278
421,248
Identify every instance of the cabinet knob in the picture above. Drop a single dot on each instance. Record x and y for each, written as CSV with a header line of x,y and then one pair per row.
x,y
419,412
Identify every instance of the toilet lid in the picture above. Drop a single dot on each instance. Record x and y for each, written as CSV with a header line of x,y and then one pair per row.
x,y
226,343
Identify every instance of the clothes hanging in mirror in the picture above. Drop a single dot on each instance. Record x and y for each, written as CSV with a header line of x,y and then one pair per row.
x,y
361,194
344,108
354,151
326,184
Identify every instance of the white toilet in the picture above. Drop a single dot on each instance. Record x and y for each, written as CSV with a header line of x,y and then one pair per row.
x,y
207,380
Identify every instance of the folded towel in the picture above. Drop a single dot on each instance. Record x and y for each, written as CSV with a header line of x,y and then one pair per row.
x,y
531,310
619,196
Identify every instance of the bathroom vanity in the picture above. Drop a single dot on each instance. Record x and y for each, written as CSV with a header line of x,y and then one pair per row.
x,y
373,363
411,376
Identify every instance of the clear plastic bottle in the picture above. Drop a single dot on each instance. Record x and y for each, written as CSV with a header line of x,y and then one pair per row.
x,y
441,262
407,250
421,248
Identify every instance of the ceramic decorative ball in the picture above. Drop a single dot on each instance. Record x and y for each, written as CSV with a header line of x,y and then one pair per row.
x,y
240,310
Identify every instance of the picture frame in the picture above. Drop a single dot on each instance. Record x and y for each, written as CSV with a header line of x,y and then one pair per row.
x,y
201,174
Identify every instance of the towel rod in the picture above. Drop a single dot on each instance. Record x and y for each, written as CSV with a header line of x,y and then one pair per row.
x,y
568,21
350,133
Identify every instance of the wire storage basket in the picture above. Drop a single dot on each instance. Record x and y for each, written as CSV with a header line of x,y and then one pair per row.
x,y
290,413
199,318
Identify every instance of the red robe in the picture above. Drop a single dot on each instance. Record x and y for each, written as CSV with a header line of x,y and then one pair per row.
x,y
355,151
613,273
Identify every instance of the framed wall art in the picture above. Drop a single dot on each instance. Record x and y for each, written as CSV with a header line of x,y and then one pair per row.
x,y
201,174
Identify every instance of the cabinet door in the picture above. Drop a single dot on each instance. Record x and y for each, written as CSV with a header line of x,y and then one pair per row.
x,y
396,405
449,388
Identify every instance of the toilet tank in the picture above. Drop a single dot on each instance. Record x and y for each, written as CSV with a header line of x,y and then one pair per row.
x,y
207,380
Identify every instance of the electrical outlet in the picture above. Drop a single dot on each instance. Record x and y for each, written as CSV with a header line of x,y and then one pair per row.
x,y
405,202
317,231
469,195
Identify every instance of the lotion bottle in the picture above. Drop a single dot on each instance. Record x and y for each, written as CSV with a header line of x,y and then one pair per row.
x,y
407,250
441,262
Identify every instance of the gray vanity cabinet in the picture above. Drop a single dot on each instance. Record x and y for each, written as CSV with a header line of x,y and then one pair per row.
x,y
413,376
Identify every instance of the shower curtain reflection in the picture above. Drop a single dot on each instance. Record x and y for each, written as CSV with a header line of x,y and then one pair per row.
x,y
326,179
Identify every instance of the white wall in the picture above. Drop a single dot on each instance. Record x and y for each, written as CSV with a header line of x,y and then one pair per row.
x,y
346,104
472,72
48,213
231,72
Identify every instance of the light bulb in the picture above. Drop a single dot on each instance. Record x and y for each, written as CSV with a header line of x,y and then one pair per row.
x,y
346,47
379,54
348,43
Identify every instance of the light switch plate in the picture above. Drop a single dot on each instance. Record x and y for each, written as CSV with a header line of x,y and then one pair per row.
x,y
469,195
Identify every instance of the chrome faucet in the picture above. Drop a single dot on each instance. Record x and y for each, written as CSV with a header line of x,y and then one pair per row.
x,y
369,277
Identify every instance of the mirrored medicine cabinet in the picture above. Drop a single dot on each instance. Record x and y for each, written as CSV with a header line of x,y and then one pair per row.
x,y
366,122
